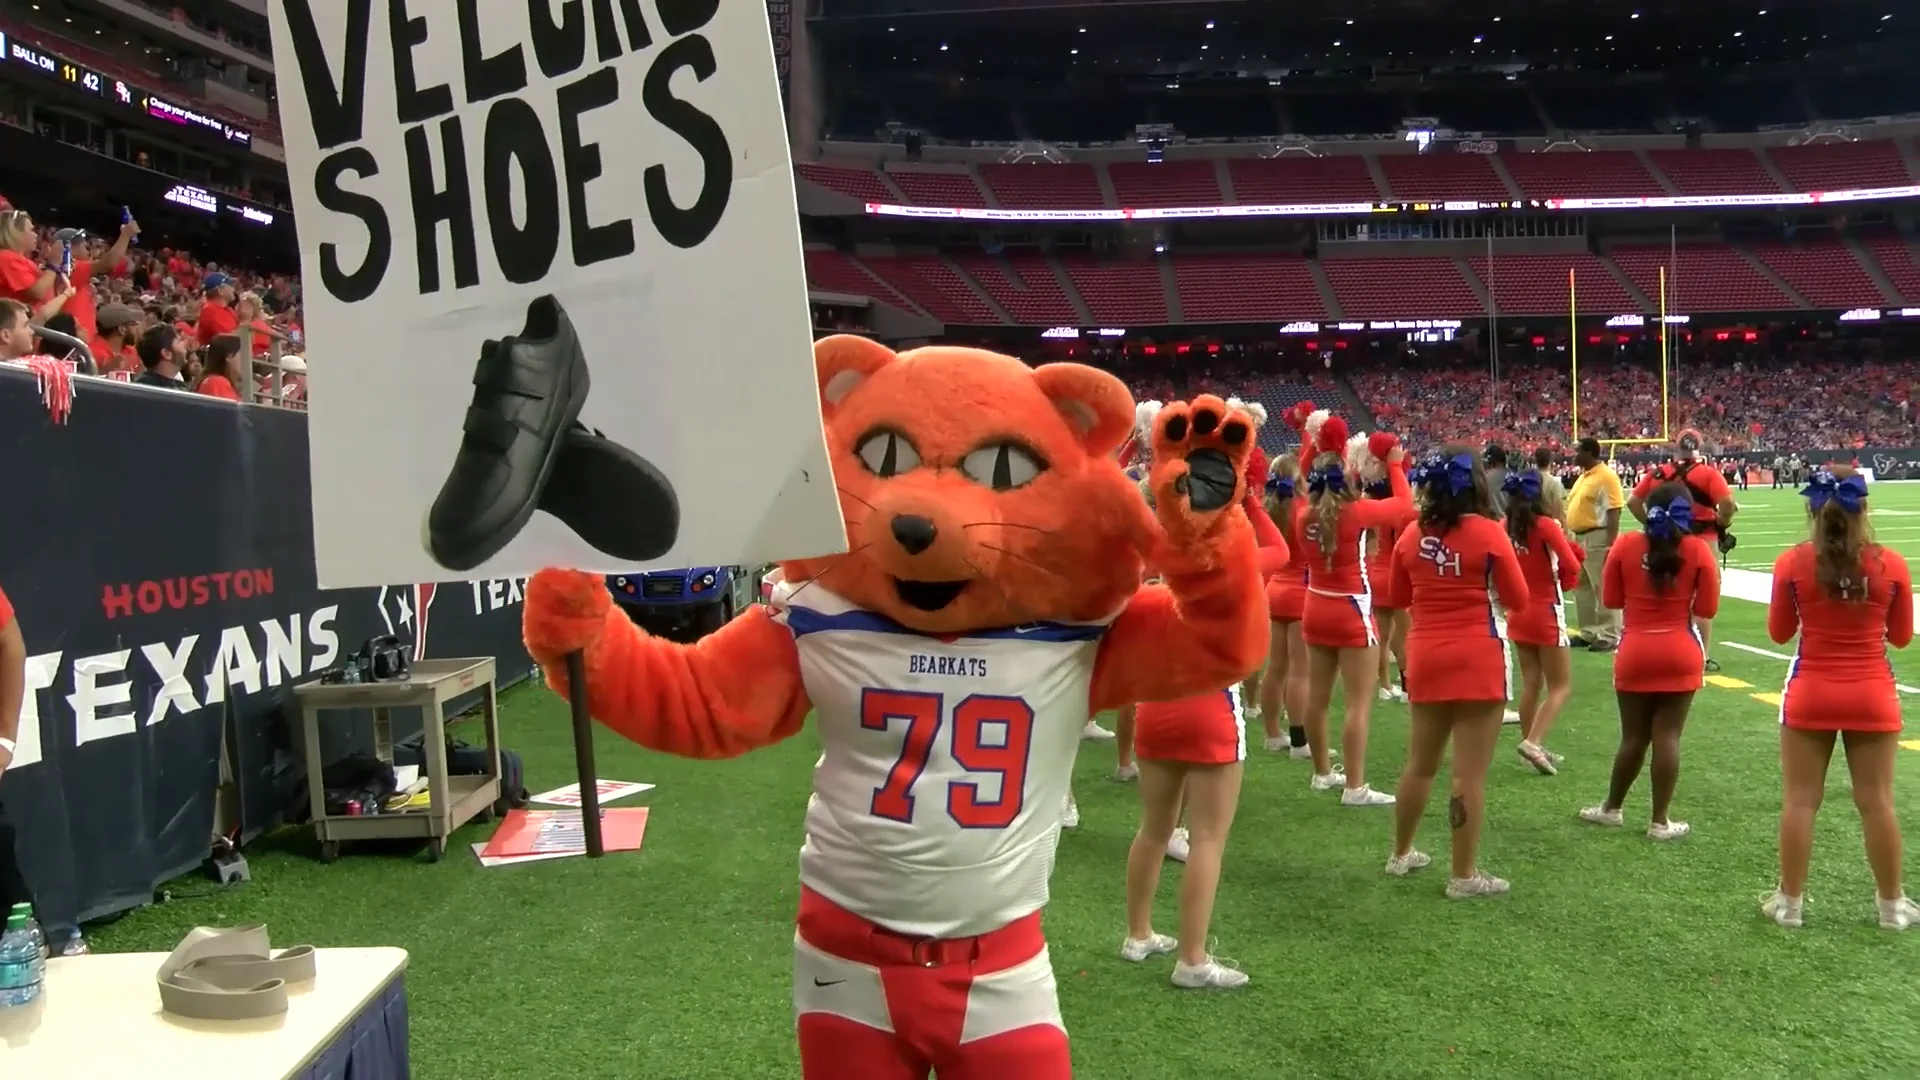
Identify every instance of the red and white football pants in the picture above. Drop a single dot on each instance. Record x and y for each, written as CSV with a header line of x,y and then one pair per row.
x,y
875,1005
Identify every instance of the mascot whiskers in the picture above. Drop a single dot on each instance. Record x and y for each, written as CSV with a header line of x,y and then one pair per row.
x,y
990,603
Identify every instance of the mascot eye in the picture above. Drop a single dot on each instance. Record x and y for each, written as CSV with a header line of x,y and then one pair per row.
x,y
1002,466
885,454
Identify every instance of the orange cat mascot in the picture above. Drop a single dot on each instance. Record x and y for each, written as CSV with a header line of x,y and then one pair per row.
x,y
990,604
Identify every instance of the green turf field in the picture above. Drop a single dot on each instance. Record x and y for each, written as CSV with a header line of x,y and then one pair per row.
x,y
1612,957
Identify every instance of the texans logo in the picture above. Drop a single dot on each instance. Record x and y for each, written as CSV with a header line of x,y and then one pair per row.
x,y
403,608
1883,463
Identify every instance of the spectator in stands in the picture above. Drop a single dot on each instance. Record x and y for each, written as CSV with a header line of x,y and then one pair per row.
x,y
113,346
163,352
223,369
217,316
81,306
22,277
252,317
16,337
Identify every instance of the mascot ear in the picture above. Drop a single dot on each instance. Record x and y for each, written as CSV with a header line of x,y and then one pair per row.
x,y
1096,405
844,361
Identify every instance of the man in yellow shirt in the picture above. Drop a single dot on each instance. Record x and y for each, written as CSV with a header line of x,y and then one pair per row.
x,y
1593,517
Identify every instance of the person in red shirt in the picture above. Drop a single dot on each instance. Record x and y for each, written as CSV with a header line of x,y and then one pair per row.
x,y
1393,621
223,371
113,344
1711,499
82,305
1191,755
1337,622
217,316
1447,569
1551,565
1848,598
1663,580
1283,691
22,277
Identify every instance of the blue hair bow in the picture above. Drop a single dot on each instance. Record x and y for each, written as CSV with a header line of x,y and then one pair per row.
x,y
1280,487
1850,493
1673,519
1526,485
1454,473
1331,478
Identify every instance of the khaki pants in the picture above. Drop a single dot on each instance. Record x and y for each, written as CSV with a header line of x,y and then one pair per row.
x,y
1596,622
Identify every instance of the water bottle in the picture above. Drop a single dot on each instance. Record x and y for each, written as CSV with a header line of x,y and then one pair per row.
x,y
20,964
33,930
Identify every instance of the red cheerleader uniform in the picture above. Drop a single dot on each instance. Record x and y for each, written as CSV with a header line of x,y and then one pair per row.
x,y
1551,566
1457,627
1206,729
1660,651
1339,604
1840,678
1380,547
1287,587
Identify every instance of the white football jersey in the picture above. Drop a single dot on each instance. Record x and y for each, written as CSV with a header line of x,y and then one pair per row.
x,y
936,804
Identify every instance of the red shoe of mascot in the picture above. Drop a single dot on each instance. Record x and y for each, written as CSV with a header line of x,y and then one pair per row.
x,y
990,603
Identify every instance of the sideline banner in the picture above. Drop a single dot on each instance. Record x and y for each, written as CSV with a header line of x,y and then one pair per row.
x,y
161,565
552,256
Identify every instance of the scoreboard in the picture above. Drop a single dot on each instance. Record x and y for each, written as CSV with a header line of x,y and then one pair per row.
x,y
20,55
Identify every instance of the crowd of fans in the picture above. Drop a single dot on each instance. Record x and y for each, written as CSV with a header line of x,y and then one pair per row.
x,y
158,317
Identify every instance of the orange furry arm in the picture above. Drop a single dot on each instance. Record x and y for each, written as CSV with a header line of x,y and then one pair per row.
x,y
1198,631
737,689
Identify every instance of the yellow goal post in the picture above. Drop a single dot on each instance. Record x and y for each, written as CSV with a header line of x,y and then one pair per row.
x,y
1573,364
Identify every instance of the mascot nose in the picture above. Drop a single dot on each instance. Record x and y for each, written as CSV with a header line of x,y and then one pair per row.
x,y
914,532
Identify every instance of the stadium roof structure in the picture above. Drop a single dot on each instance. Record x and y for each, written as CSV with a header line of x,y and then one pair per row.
x,y
1251,37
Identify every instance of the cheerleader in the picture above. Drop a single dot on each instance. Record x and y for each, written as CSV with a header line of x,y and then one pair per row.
x,y
1283,690
1337,621
1551,565
1848,598
1364,463
1664,580
1446,570
1190,754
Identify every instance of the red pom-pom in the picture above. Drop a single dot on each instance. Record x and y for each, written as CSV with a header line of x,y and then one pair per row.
x,y
1333,436
1297,416
1256,469
1381,443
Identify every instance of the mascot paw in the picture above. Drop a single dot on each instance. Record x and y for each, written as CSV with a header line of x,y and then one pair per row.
x,y
566,610
1200,450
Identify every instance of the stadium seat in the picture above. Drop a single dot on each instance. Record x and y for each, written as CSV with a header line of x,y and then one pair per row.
x,y
1436,176
1837,166
1537,285
1247,288
1025,285
1044,186
839,272
1170,183
1297,178
931,284
1708,279
929,187
1416,287
853,181
1896,259
1825,273
1714,172
1571,174
1120,293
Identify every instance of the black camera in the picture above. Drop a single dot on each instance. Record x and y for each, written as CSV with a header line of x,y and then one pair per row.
x,y
382,659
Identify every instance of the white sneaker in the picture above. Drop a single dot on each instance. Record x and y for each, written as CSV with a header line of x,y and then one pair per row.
x,y
1600,815
1252,711
1070,815
1899,914
1095,732
1364,795
1139,950
1480,884
1279,745
1782,909
1509,717
1402,865
1210,973
1385,693
1178,845
1328,781
1668,830
1303,752
1126,773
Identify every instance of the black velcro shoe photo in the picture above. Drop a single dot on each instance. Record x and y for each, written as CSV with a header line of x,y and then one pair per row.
x,y
612,498
528,389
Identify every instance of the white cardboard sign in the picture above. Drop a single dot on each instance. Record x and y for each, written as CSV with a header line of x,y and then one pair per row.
x,y
607,180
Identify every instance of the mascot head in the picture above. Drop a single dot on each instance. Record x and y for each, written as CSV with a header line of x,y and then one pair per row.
x,y
978,492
